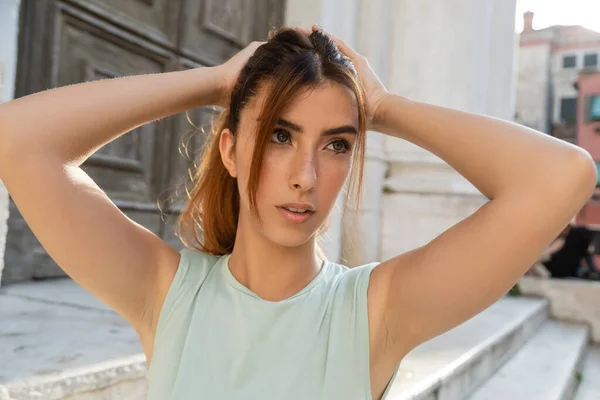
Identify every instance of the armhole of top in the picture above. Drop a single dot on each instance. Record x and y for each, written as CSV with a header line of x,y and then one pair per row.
x,y
165,311
365,280
362,287
178,278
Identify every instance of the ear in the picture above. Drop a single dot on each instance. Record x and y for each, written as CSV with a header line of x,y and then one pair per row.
x,y
227,148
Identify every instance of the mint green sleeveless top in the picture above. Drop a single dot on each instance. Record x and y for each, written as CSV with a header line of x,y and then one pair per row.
x,y
215,339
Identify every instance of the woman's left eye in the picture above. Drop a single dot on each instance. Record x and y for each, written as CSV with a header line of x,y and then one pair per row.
x,y
340,146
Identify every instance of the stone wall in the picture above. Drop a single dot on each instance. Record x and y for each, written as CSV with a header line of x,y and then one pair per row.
x,y
573,300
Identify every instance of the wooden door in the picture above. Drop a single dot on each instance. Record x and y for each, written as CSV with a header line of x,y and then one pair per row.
x,y
70,41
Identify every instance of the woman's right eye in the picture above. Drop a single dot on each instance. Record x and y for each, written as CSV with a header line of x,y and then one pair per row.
x,y
280,136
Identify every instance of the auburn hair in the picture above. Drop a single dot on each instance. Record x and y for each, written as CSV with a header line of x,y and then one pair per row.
x,y
288,63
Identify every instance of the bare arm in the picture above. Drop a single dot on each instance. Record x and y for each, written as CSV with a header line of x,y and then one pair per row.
x,y
536,184
72,122
44,137
496,156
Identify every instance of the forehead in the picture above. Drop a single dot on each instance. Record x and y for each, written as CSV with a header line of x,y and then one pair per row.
x,y
330,103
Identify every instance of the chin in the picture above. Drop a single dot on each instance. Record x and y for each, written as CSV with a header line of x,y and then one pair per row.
x,y
292,241
289,236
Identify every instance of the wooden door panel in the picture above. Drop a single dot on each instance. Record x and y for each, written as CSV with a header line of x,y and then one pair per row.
x,y
217,29
155,19
123,167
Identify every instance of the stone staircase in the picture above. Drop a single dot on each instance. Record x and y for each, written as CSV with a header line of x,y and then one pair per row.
x,y
59,342
513,350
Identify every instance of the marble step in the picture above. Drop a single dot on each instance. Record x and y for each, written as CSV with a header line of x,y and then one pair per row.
x,y
57,341
589,389
546,368
452,365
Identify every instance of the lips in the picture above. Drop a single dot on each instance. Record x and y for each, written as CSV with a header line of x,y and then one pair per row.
x,y
298,206
297,211
294,217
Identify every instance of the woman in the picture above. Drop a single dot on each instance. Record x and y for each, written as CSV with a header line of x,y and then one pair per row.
x,y
252,312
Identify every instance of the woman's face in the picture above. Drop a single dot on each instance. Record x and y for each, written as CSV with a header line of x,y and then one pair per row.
x,y
307,160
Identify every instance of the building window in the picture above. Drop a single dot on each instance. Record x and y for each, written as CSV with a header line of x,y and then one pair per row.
x,y
569,61
590,60
568,110
594,109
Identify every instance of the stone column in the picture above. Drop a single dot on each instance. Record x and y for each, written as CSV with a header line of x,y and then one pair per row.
x,y
503,65
362,229
9,27
453,54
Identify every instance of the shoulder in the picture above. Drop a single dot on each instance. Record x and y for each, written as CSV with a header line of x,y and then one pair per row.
x,y
187,266
348,291
350,282
188,261
197,259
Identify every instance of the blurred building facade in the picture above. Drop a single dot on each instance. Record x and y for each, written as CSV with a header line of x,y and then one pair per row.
x,y
557,77
550,60
409,195
588,137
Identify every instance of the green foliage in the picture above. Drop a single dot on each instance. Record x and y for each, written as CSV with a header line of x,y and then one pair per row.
x,y
515,291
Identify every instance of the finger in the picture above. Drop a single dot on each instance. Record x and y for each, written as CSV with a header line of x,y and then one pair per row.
x,y
304,30
252,47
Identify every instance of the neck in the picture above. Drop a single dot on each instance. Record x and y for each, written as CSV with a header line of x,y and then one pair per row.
x,y
271,271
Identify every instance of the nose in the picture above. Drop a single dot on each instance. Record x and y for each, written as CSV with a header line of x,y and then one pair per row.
x,y
304,172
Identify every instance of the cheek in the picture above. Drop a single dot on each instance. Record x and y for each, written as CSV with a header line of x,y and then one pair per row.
x,y
333,173
273,174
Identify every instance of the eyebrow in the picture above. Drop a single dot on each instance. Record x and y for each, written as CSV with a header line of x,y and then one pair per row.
x,y
334,131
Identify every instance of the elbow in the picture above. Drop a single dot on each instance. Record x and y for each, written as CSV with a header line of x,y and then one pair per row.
x,y
583,173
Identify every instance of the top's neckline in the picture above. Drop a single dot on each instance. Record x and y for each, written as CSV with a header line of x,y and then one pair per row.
x,y
237,285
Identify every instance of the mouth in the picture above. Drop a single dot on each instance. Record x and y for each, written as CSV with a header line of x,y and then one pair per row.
x,y
295,215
